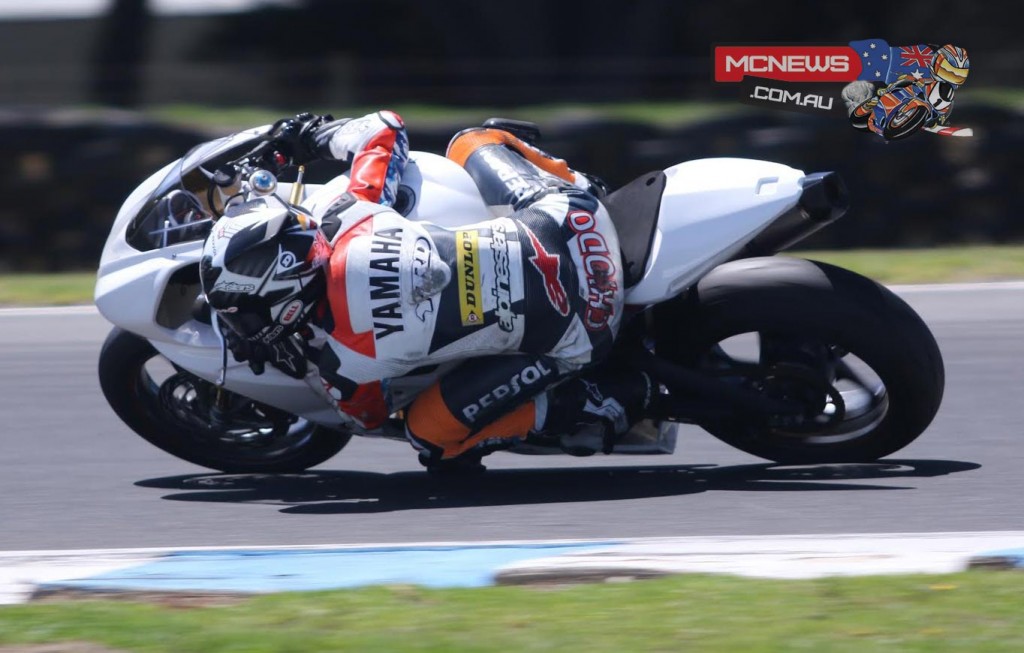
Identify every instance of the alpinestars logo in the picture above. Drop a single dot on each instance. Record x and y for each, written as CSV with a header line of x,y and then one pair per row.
x,y
502,290
547,264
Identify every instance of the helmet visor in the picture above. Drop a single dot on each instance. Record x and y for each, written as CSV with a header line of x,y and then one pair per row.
x,y
946,71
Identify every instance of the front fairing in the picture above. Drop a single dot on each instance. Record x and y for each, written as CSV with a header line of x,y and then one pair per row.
x,y
147,246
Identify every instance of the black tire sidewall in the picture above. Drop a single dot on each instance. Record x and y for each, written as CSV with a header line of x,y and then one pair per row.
x,y
831,305
121,362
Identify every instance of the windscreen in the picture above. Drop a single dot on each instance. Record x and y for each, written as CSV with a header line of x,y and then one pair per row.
x,y
177,210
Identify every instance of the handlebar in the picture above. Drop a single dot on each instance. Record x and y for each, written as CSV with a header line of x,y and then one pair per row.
x,y
266,155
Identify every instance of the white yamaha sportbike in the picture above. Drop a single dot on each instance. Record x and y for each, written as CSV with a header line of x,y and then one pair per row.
x,y
791,360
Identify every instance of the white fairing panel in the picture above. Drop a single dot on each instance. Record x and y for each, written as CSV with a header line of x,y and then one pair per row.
x,y
132,284
710,209
443,192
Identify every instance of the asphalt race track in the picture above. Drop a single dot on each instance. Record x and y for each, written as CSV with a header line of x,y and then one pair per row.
x,y
72,476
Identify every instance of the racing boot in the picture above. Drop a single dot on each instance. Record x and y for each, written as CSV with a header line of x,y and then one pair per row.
x,y
511,172
468,464
529,133
590,412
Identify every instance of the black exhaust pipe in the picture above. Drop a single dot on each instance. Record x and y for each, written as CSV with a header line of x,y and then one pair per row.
x,y
824,200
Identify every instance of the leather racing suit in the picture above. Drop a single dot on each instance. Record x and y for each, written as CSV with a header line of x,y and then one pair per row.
x,y
499,311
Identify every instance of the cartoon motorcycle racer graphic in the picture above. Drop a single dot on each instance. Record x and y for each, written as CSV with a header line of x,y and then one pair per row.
x,y
911,101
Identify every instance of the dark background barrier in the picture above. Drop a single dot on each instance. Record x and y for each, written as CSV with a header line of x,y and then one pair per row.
x,y
301,53
65,172
66,178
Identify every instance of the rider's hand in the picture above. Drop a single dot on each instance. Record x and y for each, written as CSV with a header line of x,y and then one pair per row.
x,y
244,350
293,137
286,355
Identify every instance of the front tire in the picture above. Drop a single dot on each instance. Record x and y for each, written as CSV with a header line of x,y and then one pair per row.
x,y
171,417
803,309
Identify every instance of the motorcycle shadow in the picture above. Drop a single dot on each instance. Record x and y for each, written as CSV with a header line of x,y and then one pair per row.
x,y
345,492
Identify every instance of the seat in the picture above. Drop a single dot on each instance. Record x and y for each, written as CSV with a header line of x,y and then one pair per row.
x,y
634,211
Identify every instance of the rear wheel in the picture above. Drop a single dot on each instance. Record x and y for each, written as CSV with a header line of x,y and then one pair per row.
x,y
861,363
179,413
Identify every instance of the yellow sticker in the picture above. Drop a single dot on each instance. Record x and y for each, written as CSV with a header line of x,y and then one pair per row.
x,y
468,267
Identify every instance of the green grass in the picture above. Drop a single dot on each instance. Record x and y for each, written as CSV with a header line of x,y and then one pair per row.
x,y
978,612
954,264
940,265
665,114
46,289
1007,97
658,113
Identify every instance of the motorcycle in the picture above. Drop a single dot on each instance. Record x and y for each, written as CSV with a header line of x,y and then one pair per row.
x,y
791,360
898,113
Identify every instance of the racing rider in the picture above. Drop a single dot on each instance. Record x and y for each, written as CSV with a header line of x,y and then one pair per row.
x,y
949,68
506,317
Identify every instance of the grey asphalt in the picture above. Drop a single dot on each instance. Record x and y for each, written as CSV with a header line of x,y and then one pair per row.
x,y
72,476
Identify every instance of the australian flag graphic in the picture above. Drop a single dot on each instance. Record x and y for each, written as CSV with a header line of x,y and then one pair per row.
x,y
884,64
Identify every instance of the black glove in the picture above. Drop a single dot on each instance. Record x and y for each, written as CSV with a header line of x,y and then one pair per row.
x,y
295,137
285,355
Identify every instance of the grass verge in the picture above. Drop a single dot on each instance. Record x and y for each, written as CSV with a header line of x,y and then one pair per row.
x,y
955,264
976,611
60,288
666,114
663,114
939,265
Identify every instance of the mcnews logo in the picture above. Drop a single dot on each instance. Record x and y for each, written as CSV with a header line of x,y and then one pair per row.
x,y
787,63
879,88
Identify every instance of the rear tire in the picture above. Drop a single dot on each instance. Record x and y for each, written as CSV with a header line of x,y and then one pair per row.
x,y
135,397
813,302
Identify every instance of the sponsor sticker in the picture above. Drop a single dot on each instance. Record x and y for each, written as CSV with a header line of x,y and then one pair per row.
x,y
526,378
233,286
502,290
468,272
385,293
547,265
598,268
291,312
427,278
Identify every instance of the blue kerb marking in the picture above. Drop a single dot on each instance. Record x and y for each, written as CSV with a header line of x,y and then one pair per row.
x,y
1014,556
255,570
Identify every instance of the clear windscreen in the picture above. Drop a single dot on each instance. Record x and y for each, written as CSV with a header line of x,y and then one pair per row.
x,y
177,210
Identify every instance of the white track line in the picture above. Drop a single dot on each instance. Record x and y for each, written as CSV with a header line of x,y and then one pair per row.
x,y
957,287
938,535
792,556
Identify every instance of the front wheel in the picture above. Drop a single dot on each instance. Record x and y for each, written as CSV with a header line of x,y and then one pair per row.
x,y
865,367
180,413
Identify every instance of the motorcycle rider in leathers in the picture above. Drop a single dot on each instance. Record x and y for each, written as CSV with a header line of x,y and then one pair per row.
x,y
948,71
516,309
